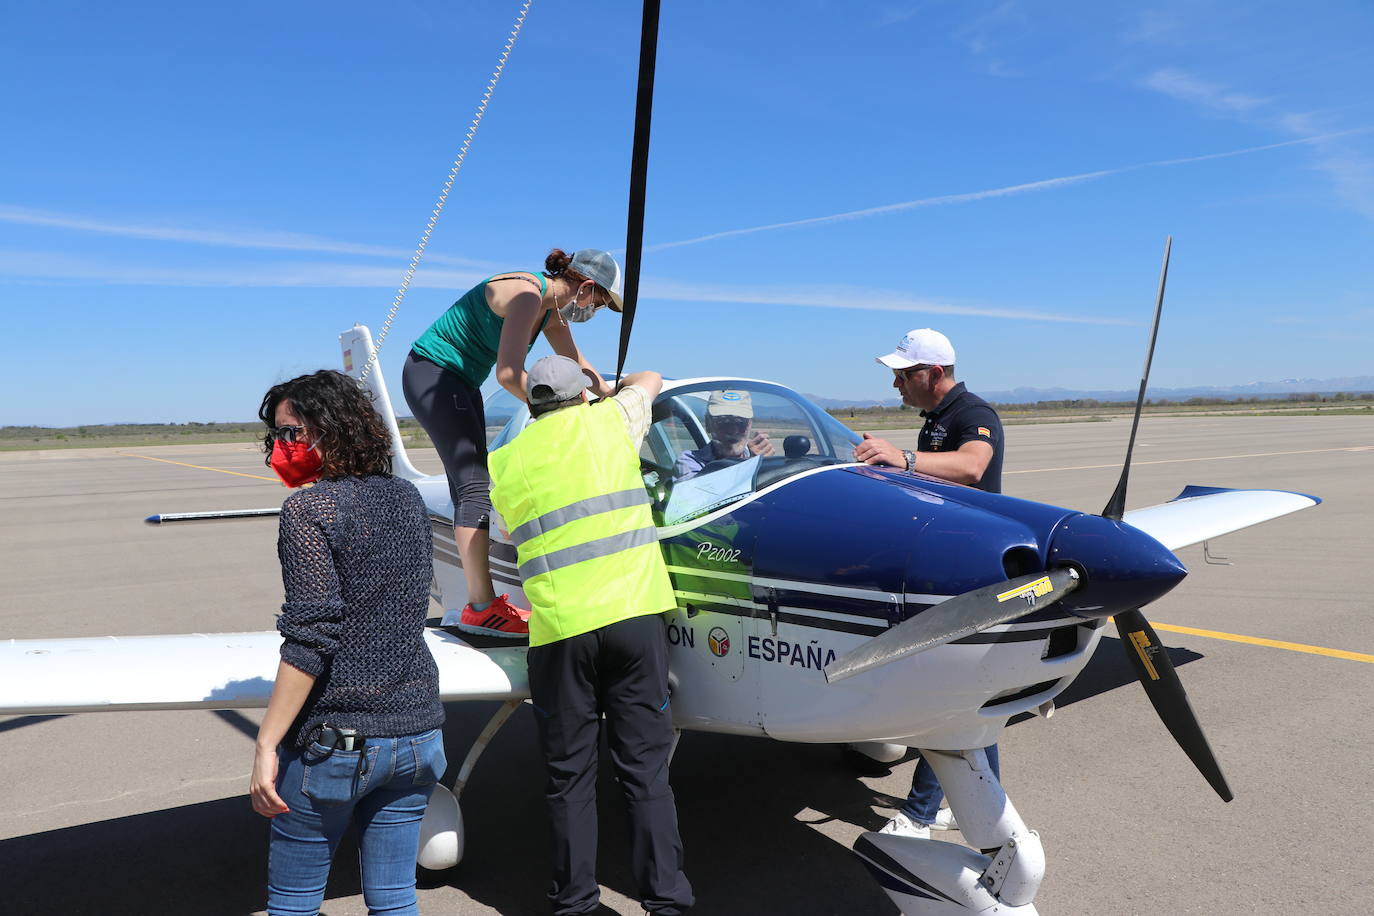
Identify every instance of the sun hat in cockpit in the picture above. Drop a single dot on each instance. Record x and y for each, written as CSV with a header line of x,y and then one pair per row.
x,y
730,403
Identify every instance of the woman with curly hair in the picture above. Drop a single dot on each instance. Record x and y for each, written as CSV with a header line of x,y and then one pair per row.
x,y
351,734
495,324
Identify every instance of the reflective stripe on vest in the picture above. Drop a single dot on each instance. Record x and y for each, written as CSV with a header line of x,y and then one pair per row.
x,y
580,553
570,490
592,505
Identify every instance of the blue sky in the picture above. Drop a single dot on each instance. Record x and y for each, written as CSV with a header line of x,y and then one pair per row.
x,y
196,199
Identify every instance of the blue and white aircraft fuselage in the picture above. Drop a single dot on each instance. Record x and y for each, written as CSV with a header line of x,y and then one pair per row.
x,y
813,596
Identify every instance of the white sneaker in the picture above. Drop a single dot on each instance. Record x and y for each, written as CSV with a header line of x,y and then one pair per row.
x,y
944,820
901,825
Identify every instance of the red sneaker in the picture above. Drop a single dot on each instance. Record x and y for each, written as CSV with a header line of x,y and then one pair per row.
x,y
500,618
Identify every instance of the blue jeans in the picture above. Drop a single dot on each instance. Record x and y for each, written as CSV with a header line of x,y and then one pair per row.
x,y
385,793
924,801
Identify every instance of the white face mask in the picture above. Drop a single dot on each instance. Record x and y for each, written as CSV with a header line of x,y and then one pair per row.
x,y
572,312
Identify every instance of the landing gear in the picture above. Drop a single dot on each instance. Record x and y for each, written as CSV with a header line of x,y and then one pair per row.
x,y
441,831
934,878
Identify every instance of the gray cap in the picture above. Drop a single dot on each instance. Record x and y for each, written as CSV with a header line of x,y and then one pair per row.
x,y
602,269
555,378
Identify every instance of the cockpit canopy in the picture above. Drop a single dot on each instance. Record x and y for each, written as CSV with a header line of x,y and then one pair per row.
x,y
713,442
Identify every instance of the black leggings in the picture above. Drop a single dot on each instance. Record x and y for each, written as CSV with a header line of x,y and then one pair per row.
x,y
451,412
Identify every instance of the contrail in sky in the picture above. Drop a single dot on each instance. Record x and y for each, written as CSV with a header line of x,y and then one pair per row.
x,y
291,241
1042,185
282,241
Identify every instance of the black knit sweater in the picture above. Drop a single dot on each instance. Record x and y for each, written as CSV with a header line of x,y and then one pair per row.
x,y
356,564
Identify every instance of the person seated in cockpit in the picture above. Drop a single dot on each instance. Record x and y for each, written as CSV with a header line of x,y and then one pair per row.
x,y
729,420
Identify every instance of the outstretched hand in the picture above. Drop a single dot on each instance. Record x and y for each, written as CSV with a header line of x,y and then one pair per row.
x,y
879,451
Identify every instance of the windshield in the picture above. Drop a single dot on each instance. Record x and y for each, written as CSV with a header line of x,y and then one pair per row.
x,y
712,444
499,407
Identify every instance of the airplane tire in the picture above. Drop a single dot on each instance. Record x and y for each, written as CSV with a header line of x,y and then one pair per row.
x,y
441,832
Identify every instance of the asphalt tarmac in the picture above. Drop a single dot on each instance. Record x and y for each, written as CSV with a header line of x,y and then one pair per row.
x,y
146,813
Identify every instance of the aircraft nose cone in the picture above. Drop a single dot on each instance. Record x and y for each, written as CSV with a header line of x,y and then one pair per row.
x,y
1123,567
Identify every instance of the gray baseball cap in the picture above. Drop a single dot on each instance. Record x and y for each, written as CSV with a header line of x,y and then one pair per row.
x,y
555,378
603,270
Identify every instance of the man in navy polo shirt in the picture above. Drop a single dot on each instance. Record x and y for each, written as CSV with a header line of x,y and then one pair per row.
x,y
961,441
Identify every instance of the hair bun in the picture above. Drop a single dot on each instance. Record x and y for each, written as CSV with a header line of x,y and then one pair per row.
x,y
556,262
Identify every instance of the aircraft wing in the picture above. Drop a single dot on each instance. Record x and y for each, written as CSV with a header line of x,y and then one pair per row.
x,y
1200,513
206,671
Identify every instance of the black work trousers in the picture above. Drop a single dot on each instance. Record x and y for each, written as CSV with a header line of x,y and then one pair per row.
x,y
620,670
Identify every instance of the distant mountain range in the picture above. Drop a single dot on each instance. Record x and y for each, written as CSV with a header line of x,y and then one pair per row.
x,y
1362,383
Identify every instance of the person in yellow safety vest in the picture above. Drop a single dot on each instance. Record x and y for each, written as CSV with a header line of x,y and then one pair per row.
x,y
570,493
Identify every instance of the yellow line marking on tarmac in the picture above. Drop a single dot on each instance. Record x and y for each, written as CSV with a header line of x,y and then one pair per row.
x,y
199,467
1098,467
1271,643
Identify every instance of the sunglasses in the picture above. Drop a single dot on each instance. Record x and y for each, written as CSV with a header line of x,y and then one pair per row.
x,y
908,372
286,433
729,421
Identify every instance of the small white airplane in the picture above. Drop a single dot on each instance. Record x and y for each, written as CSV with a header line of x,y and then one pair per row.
x,y
819,600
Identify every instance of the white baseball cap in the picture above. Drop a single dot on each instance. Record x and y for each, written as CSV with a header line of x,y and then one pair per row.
x,y
920,347
603,270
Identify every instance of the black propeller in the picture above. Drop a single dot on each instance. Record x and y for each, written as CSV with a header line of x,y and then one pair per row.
x,y
639,177
1150,659
961,615
1116,506
977,610
1148,655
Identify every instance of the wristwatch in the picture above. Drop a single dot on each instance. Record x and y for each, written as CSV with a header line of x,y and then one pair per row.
x,y
910,457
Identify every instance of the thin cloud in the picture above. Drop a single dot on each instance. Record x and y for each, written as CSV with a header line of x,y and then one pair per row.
x,y
54,268
263,240
990,30
859,298
1042,185
1350,171
891,15
58,269
1189,88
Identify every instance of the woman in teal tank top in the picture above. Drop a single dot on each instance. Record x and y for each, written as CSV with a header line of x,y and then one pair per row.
x,y
494,325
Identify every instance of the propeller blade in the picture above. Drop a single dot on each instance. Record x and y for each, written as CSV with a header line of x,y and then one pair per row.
x,y
639,177
961,615
1150,659
1116,506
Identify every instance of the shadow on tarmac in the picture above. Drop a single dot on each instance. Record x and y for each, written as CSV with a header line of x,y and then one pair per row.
x,y
25,722
1107,670
745,806
748,809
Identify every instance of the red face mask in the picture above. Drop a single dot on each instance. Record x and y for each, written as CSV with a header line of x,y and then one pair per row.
x,y
296,463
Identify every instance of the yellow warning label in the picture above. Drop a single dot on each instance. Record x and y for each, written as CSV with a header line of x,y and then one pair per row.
x,y
1030,591
1142,648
